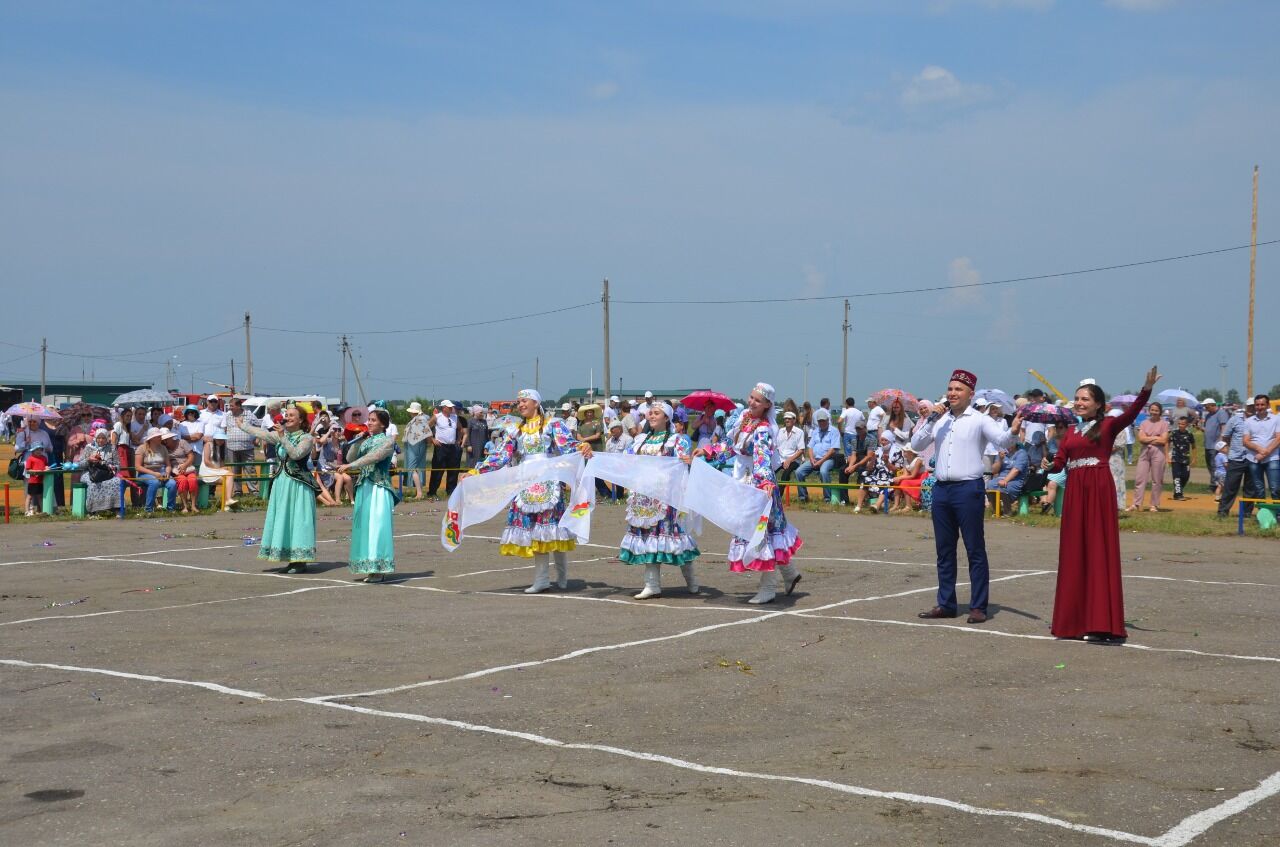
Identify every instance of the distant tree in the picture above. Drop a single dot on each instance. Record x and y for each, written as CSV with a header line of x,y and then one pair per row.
x,y
1233,396
1274,393
1207,392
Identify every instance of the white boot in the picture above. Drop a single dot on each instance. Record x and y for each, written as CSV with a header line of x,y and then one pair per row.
x,y
690,578
562,569
541,582
652,582
768,588
790,577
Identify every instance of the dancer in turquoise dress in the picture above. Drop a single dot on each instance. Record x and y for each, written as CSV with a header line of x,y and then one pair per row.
x,y
372,547
289,533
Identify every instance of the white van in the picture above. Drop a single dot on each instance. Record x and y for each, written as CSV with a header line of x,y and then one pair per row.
x,y
257,405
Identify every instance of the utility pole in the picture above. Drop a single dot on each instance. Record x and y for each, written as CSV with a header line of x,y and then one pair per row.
x,y
604,299
232,386
355,370
248,356
1253,270
44,355
1223,364
343,347
844,374
537,373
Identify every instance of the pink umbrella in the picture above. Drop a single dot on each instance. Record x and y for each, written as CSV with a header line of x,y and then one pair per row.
x,y
698,400
1047,413
886,396
32,409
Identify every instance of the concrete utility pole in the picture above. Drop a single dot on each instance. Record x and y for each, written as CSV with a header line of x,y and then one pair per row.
x,y
44,355
1253,276
844,374
248,356
537,373
608,374
355,370
232,386
342,399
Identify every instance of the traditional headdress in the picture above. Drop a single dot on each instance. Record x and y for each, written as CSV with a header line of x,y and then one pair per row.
x,y
529,394
765,389
665,407
967,377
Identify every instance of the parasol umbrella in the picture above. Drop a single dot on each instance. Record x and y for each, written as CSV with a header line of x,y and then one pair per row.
x,y
995,395
1170,395
144,397
1047,413
886,396
32,409
354,415
72,415
1124,399
698,401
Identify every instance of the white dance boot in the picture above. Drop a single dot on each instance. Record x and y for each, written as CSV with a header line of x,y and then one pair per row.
x,y
652,582
690,578
541,580
790,577
768,588
562,569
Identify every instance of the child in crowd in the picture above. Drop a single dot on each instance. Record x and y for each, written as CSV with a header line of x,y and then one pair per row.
x,y
1182,445
1219,476
35,463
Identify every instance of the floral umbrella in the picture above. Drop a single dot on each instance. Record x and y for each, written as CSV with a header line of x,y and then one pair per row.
x,y
32,409
1047,413
698,401
886,396
73,414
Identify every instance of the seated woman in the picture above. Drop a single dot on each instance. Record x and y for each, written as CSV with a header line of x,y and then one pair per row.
x,y
102,492
211,470
908,479
1012,476
183,462
155,471
878,477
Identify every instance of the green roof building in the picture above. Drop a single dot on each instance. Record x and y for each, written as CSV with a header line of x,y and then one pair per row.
x,y
58,393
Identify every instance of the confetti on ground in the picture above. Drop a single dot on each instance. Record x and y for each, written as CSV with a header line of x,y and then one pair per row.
x,y
1060,666
67,603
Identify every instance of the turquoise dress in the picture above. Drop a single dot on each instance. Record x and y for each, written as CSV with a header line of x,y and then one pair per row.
x,y
372,547
289,533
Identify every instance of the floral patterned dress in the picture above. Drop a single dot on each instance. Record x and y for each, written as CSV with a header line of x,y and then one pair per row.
x,y
755,461
533,519
655,535
101,496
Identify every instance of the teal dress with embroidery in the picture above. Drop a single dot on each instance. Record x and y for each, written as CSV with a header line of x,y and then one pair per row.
x,y
372,545
289,532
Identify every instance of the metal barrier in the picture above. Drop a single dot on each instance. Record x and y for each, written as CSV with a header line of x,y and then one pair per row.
x,y
1266,503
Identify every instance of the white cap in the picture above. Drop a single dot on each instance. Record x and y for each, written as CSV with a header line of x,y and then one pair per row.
x,y
648,395
615,423
1209,400
822,415
213,397
613,398
788,415
448,403
981,403
566,407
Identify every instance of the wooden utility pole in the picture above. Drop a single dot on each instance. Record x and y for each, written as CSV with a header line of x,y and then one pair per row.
x,y
343,395
248,356
1253,271
44,355
232,386
537,373
355,370
844,374
604,299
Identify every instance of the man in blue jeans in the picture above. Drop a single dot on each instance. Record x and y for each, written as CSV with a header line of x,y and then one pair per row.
x,y
1261,440
821,455
960,433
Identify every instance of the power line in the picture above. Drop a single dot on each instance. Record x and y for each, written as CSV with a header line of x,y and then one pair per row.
x,y
431,328
145,352
1058,275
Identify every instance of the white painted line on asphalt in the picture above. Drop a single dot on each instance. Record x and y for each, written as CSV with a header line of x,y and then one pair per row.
x,y
210,686
176,605
1002,634
1181,834
683,764
222,570
1199,581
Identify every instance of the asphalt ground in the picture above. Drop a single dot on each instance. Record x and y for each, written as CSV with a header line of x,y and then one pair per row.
x,y
158,687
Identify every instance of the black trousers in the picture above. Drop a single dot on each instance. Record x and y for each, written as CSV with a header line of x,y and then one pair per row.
x,y
1237,473
1181,475
442,457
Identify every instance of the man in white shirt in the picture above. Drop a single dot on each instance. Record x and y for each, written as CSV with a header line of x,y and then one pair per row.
x,y
446,450
790,447
642,409
611,409
992,456
213,421
959,433
875,419
850,417
1262,448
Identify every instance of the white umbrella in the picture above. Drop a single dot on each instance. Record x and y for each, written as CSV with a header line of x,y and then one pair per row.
x,y
1169,395
145,397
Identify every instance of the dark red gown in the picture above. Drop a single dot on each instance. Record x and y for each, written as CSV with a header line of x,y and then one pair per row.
x,y
1089,596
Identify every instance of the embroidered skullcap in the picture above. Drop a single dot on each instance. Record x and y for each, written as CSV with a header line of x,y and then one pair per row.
x,y
530,394
966,377
765,389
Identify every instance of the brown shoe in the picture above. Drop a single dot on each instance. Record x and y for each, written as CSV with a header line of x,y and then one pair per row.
x,y
977,616
937,612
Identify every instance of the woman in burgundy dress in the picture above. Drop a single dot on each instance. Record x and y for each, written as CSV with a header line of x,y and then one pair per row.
x,y
1089,602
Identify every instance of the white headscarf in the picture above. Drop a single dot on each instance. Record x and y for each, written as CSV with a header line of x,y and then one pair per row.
x,y
530,394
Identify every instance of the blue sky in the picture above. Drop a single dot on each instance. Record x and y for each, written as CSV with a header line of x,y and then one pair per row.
x,y
334,168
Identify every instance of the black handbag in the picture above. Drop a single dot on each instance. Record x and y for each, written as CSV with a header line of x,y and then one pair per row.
x,y
100,472
16,468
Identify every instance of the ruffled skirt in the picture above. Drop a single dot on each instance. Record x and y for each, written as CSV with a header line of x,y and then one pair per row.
x,y
781,542
533,522
655,535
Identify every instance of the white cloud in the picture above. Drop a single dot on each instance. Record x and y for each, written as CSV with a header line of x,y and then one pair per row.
x,y
961,272
936,86
1140,5
605,90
